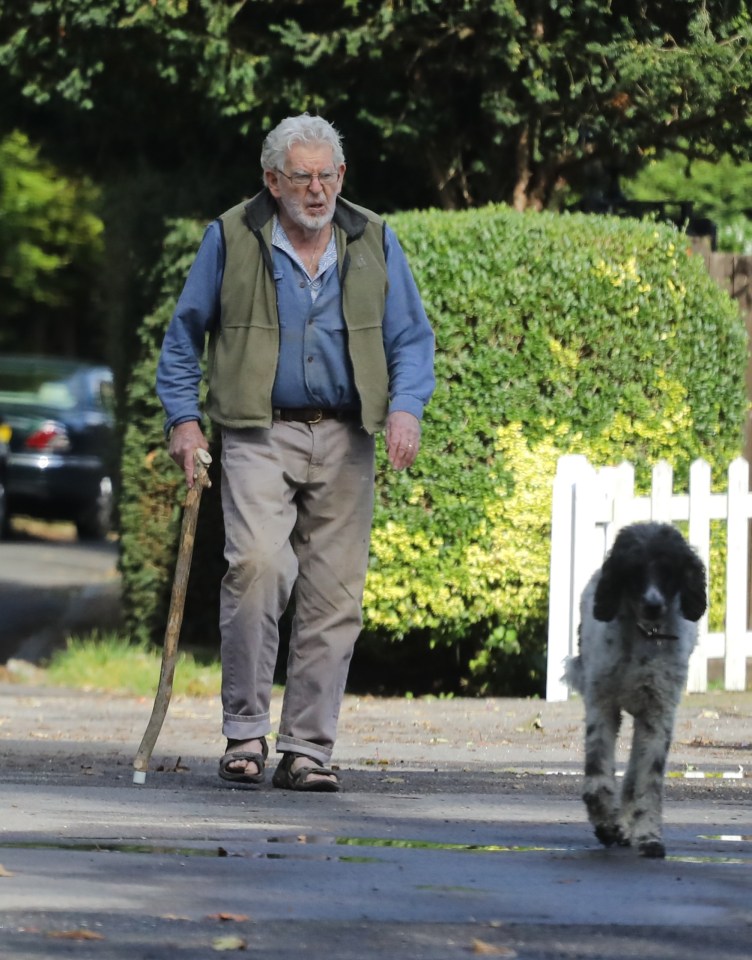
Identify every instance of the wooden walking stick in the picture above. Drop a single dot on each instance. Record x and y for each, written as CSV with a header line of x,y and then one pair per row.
x,y
175,616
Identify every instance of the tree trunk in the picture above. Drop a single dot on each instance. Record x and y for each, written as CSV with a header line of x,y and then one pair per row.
x,y
523,171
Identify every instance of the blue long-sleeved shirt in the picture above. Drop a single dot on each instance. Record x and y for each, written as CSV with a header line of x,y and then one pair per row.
x,y
314,367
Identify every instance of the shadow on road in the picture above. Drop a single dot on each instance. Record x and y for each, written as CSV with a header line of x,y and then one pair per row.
x,y
53,586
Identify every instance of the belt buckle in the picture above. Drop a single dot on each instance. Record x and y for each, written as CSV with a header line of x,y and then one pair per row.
x,y
319,417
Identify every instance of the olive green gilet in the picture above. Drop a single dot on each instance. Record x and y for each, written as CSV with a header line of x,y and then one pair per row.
x,y
244,347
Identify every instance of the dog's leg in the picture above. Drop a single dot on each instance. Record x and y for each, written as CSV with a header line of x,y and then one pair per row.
x,y
602,723
628,793
642,796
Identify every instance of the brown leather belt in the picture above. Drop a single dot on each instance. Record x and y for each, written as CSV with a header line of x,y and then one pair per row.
x,y
312,414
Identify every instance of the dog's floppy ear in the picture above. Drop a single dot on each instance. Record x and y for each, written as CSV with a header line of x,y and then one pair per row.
x,y
607,592
693,592
609,589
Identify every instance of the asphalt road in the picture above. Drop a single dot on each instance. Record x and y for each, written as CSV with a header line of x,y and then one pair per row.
x,y
51,587
460,832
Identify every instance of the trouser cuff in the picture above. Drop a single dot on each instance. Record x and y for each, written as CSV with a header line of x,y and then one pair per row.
x,y
304,747
246,728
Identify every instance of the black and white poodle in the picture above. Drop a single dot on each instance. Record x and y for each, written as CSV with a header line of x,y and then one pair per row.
x,y
638,628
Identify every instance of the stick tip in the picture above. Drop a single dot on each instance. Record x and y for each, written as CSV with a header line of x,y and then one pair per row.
x,y
139,776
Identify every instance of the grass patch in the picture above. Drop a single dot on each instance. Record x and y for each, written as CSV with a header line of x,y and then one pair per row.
x,y
111,662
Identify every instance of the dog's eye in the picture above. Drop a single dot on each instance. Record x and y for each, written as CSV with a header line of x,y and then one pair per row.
x,y
669,576
636,582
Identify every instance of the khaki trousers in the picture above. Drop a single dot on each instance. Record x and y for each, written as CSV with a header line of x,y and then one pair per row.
x,y
298,506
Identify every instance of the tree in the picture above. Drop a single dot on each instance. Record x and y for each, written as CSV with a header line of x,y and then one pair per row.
x,y
444,102
50,249
720,190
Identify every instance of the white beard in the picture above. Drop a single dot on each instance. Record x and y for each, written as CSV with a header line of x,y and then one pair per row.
x,y
296,211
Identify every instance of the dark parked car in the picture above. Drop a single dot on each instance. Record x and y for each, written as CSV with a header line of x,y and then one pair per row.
x,y
62,440
5,433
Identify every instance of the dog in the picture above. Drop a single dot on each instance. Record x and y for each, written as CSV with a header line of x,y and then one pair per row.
x,y
638,627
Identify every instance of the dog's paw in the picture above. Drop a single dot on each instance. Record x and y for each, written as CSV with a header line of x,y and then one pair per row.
x,y
652,848
610,834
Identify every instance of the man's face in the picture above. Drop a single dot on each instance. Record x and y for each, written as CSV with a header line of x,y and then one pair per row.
x,y
311,205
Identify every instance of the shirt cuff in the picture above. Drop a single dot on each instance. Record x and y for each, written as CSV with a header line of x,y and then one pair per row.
x,y
174,421
407,404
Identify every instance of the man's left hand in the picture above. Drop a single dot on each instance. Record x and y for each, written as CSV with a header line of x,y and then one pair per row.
x,y
402,439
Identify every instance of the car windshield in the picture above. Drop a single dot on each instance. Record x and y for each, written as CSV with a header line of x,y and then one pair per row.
x,y
37,388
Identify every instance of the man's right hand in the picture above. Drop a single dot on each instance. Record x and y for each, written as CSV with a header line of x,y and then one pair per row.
x,y
185,439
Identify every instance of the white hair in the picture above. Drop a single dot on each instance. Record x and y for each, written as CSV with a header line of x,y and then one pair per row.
x,y
301,129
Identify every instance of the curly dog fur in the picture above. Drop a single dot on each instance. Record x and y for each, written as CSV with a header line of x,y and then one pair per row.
x,y
638,629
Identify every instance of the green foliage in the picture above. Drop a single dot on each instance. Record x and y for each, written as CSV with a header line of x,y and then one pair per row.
x,y
442,103
50,244
152,486
720,190
116,664
461,103
555,334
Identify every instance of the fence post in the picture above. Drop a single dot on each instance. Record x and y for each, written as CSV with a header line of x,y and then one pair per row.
x,y
571,470
661,491
623,501
735,677
699,537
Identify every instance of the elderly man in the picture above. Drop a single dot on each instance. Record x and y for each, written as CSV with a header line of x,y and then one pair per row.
x,y
317,341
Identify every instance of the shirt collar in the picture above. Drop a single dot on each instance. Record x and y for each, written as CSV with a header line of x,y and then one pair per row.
x,y
282,242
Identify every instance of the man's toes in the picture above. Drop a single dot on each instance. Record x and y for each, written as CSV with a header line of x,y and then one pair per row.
x,y
244,746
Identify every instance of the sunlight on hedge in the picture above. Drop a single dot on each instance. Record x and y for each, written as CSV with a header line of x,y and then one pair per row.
x,y
555,334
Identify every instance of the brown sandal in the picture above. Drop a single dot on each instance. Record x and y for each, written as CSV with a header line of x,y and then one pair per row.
x,y
231,756
288,779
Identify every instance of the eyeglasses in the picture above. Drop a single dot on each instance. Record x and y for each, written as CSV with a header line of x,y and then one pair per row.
x,y
305,179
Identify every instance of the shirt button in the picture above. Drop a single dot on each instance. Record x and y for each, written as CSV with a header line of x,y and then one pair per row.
x,y
310,359
302,284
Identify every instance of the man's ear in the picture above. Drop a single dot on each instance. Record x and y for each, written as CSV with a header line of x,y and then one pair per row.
x,y
271,179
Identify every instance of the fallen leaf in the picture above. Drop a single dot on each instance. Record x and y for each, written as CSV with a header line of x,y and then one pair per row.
x,y
237,917
492,949
5,873
75,935
229,943
392,779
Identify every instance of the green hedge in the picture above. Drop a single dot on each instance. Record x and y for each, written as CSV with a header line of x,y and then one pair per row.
x,y
152,488
555,334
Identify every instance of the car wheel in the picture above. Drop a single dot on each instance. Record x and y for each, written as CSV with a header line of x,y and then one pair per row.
x,y
95,520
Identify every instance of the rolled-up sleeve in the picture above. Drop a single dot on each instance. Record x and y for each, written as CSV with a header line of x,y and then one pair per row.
x,y
197,310
408,337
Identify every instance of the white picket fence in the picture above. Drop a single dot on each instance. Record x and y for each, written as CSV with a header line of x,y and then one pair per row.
x,y
590,505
